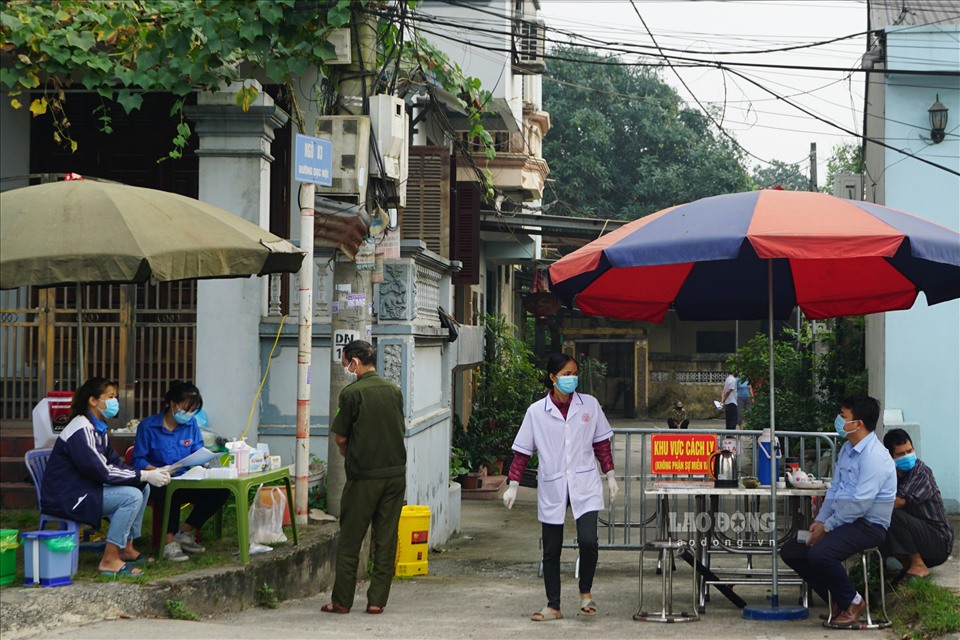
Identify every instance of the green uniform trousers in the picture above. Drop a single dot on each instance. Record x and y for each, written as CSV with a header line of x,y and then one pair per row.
x,y
365,502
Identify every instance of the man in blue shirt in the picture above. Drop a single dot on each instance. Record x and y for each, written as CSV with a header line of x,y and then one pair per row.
x,y
855,513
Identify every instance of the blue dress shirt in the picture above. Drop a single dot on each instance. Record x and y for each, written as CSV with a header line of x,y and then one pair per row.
x,y
864,485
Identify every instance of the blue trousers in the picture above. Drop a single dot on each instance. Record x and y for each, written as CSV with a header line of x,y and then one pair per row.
x,y
821,564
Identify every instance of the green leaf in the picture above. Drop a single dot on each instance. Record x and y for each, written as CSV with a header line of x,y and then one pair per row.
x,y
84,40
10,21
129,101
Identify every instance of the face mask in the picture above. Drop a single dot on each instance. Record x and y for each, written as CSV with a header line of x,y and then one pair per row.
x,y
113,408
567,384
351,376
907,462
183,417
840,425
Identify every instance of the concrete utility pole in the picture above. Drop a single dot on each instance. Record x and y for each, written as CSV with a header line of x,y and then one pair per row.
x,y
352,290
813,166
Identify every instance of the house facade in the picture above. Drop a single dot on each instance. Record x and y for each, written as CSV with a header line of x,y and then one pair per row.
x,y
914,355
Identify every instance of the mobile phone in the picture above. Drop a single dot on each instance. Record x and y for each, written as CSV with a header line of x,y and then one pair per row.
x,y
803,536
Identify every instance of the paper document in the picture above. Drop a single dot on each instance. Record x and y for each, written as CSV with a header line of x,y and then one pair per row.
x,y
196,473
198,457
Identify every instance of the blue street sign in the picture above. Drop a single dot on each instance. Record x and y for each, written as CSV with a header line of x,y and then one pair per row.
x,y
313,161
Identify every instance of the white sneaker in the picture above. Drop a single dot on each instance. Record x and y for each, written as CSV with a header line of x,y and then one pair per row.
x,y
188,542
173,552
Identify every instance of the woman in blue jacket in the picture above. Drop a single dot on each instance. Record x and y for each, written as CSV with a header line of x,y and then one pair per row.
x,y
164,439
86,480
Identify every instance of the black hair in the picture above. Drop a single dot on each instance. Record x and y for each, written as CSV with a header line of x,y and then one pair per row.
x,y
555,364
92,388
865,409
181,392
894,438
361,350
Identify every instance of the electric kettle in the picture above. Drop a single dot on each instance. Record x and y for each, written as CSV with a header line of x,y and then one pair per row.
x,y
723,468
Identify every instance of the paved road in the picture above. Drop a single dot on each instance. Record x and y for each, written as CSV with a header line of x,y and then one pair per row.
x,y
482,585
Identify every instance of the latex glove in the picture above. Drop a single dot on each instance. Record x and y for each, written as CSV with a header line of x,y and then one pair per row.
x,y
612,484
156,477
510,494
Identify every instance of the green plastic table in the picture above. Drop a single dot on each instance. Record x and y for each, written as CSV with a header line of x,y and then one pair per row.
x,y
240,487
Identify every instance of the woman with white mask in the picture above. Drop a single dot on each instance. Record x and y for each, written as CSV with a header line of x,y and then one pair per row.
x,y
570,434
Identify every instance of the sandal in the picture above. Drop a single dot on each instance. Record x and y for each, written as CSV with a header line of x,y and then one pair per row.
x,y
127,570
333,607
546,614
586,604
141,558
374,610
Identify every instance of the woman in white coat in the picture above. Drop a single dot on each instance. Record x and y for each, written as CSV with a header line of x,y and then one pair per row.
x,y
569,433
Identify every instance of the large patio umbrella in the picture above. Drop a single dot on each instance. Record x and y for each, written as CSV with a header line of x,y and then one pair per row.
x,y
86,231
89,231
756,255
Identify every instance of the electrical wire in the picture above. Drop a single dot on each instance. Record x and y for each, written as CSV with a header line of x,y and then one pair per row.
x,y
253,405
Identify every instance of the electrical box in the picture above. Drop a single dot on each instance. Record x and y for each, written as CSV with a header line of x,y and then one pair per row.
x,y
350,136
340,39
390,128
848,186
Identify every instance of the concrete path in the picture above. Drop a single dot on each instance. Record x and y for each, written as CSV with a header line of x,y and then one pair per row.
x,y
484,584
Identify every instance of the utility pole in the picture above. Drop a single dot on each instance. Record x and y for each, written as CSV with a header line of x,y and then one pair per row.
x,y
813,166
353,289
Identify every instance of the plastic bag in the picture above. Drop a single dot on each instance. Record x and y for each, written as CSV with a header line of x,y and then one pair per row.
x,y
61,543
266,518
8,542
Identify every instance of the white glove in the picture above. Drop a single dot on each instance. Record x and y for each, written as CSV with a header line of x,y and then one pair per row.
x,y
510,494
156,477
612,484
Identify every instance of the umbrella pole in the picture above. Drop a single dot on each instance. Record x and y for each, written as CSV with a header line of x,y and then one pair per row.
x,y
773,611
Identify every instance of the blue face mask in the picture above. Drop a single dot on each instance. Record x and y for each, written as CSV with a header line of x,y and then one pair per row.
x,y
839,423
113,408
183,417
907,462
567,384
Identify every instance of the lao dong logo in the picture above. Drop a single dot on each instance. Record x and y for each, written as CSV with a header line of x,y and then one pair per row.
x,y
729,524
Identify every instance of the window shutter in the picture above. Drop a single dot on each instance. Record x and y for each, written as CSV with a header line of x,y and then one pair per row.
x,y
465,233
427,214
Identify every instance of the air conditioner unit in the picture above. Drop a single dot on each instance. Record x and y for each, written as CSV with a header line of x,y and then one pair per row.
x,y
529,44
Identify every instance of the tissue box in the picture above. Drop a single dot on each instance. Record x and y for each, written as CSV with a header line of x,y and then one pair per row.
x,y
275,462
258,462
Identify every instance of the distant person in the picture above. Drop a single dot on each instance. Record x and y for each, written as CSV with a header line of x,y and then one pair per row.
x,y
855,513
920,536
369,428
678,418
168,437
86,480
744,398
570,434
728,398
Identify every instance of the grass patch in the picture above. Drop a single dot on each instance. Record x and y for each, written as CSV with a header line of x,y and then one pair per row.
x,y
923,609
176,611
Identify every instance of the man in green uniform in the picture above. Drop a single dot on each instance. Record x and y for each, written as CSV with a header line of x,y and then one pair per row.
x,y
369,429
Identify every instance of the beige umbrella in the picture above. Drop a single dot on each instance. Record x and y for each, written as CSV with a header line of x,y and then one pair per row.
x,y
88,231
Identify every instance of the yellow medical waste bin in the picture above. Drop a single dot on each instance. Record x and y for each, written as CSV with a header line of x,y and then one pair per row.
x,y
413,541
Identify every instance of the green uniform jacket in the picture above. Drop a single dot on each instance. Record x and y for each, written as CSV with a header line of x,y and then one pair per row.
x,y
370,417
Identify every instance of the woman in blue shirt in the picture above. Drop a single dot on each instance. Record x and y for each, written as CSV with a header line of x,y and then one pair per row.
x,y
168,437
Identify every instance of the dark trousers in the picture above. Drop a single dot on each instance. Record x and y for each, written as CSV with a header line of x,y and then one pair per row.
x,y
378,502
821,564
732,414
909,534
673,423
206,502
553,544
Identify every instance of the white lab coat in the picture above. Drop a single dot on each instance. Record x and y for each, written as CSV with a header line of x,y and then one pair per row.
x,y
568,466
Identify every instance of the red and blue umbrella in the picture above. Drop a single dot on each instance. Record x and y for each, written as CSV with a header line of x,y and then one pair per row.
x,y
709,260
756,255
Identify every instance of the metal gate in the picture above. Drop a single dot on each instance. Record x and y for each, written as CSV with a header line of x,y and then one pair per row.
x,y
143,336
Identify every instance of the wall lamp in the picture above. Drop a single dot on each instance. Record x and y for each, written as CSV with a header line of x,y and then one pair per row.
x,y
938,120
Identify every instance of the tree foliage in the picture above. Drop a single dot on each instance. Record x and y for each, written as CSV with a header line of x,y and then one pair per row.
x,y
846,158
781,174
623,145
121,49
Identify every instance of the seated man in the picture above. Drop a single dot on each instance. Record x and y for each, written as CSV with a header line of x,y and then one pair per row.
x,y
855,513
678,419
919,536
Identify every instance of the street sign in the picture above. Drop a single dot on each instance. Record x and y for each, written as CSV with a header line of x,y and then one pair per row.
x,y
313,161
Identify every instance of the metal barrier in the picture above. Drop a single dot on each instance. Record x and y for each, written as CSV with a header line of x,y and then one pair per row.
x,y
627,524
